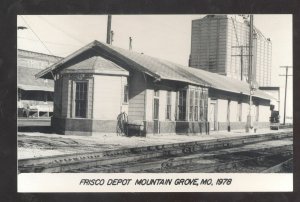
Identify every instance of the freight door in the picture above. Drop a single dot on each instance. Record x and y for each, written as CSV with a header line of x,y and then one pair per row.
x,y
156,116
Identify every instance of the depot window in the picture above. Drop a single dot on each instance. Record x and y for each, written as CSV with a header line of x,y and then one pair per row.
x,y
191,112
181,105
239,111
81,99
168,107
203,104
196,111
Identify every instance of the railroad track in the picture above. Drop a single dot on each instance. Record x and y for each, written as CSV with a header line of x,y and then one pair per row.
x,y
85,162
281,167
213,162
238,162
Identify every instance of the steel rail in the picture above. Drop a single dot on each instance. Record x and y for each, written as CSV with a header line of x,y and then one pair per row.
x,y
221,167
163,165
279,167
63,163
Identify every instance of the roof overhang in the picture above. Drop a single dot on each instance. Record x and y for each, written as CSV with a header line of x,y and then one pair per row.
x,y
35,88
255,94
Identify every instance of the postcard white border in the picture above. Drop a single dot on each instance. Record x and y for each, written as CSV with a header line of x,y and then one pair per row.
x,y
72,182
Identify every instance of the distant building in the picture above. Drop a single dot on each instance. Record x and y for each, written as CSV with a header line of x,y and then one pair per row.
x,y
35,96
98,82
275,93
219,44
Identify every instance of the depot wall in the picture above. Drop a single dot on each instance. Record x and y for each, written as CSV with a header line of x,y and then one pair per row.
x,y
108,97
230,106
137,88
105,98
106,101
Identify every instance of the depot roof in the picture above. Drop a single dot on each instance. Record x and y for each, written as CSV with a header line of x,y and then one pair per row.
x,y
157,68
95,64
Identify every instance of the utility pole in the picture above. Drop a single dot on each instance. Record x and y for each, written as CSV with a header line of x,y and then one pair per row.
x,y
242,55
250,50
249,125
130,43
108,32
286,78
241,49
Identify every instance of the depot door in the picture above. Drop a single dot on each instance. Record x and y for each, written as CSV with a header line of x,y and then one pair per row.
x,y
156,116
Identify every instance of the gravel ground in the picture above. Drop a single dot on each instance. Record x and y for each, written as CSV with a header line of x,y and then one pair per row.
x,y
42,144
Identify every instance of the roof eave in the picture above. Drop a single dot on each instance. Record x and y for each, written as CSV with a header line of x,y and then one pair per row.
x,y
186,81
242,93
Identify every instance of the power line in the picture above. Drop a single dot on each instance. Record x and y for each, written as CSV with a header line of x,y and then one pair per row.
x,y
49,42
36,35
66,33
40,41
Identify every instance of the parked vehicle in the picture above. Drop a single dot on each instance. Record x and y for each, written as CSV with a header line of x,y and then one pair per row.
x,y
274,120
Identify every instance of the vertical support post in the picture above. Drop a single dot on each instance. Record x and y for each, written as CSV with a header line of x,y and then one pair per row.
x,y
242,52
286,77
250,49
130,43
249,126
285,93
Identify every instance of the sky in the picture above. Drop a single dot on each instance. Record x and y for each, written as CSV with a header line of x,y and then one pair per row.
x,y
162,36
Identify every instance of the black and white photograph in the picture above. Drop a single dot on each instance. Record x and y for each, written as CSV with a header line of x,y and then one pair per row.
x,y
166,96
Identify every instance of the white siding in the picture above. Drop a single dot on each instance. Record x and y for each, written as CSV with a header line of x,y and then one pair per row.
x,y
245,111
208,108
162,105
222,110
264,113
149,105
107,97
136,110
234,111
173,107
90,98
124,105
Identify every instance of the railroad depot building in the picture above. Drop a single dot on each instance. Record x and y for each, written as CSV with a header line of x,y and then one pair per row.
x,y
99,81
